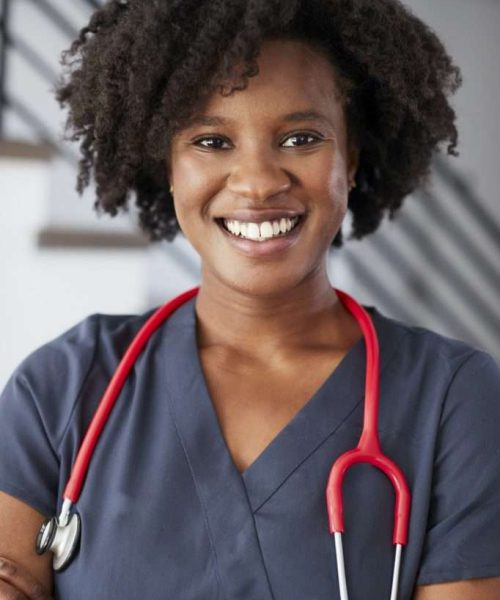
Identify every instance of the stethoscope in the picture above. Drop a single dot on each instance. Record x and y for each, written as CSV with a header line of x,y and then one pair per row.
x,y
61,535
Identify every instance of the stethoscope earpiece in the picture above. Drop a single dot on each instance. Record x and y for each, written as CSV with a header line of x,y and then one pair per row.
x,y
61,539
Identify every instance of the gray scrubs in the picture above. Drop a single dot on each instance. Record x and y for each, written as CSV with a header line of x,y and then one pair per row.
x,y
165,513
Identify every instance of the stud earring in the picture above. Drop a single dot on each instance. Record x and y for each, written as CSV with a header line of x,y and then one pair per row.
x,y
172,190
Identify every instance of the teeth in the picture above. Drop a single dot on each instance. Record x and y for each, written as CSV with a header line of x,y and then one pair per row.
x,y
266,230
253,231
262,231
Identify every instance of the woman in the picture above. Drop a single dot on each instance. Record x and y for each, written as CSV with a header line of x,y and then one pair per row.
x,y
232,120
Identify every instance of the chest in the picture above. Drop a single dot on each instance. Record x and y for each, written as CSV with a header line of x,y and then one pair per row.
x,y
253,404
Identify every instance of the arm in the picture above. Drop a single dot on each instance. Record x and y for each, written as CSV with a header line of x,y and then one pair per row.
x,y
461,555
36,406
19,525
486,589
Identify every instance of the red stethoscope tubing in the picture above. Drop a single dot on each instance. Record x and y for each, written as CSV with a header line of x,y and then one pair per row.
x,y
74,486
368,449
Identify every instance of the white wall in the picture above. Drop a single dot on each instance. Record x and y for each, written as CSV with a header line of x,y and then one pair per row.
x,y
46,292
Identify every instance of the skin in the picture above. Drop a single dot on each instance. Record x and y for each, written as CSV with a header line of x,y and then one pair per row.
x,y
253,311
23,572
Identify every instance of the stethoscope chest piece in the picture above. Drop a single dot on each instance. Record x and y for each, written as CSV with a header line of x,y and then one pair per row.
x,y
62,540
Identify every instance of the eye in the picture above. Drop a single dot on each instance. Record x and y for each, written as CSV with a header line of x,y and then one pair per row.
x,y
210,138
214,142
303,135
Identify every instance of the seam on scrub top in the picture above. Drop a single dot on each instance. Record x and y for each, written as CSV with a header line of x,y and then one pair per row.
x,y
436,449
26,384
258,540
462,364
81,388
323,441
459,574
25,495
382,368
200,498
460,569
96,319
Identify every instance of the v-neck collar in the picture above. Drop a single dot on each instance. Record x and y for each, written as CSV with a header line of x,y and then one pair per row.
x,y
331,404
229,498
221,490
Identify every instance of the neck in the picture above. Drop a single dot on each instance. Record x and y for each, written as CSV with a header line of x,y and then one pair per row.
x,y
275,325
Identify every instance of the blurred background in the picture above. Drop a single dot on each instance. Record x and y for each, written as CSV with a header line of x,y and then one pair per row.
x,y
437,265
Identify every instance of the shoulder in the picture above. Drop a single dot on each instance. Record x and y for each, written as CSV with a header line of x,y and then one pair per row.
x,y
48,382
430,354
74,350
450,390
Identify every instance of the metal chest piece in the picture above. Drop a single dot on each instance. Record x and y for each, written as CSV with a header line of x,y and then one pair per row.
x,y
60,535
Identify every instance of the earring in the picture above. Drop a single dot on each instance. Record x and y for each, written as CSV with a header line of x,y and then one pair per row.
x,y
172,190
352,185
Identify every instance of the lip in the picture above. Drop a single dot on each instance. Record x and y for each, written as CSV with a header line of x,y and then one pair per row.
x,y
259,216
270,247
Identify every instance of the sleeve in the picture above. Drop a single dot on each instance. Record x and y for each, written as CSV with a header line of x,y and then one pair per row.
x,y
35,407
463,535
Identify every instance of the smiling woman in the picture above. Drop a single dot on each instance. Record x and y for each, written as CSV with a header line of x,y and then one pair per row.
x,y
253,127
272,160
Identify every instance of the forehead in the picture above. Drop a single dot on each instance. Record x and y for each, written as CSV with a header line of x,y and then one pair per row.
x,y
293,77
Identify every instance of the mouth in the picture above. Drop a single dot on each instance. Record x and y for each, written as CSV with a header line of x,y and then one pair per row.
x,y
263,231
262,240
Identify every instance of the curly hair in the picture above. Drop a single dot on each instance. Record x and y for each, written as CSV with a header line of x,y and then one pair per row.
x,y
140,69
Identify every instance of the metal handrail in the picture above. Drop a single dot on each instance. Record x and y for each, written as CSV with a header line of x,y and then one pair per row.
x,y
4,20
42,132
381,292
429,250
484,265
31,57
56,17
467,198
389,253
93,4
41,66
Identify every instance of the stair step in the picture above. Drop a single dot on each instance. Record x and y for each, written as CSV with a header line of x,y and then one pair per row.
x,y
25,150
68,237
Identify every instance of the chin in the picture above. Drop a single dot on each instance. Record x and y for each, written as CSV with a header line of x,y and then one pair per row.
x,y
259,284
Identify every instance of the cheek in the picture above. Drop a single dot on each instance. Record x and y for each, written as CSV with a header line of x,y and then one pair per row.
x,y
337,180
185,210
196,185
335,193
193,168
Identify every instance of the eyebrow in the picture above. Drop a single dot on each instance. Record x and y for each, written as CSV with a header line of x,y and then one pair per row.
x,y
304,115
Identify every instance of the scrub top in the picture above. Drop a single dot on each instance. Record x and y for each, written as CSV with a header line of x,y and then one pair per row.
x,y
166,514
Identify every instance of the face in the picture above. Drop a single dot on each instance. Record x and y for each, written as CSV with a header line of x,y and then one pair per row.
x,y
252,158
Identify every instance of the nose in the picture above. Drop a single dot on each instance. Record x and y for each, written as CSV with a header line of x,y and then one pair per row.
x,y
258,176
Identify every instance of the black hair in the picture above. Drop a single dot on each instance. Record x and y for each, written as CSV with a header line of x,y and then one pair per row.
x,y
139,69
